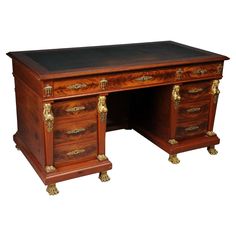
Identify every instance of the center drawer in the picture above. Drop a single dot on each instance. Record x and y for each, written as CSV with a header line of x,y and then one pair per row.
x,y
114,82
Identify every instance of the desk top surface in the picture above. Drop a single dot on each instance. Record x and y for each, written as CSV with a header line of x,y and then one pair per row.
x,y
59,63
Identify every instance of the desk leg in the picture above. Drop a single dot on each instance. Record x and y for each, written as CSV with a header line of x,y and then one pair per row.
x,y
48,135
212,150
102,122
52,189
17,148
174,159
103,176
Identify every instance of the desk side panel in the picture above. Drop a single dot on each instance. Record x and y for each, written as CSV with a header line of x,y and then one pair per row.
x,y
30,78
29,120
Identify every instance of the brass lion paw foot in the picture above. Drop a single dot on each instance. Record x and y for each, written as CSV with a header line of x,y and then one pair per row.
x,y
103,176
174,159
52,189
212,150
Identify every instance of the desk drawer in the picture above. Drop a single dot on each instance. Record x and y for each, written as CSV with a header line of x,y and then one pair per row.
x,y
137,79
70,87
193,111
189,129
80,151
74,130
114,82
200,71
80,108
141,79
195,91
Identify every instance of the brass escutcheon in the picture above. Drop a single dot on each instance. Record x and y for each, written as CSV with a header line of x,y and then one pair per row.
x,y
179,73
47,90
76,86
192,110
76,131
75,152
75,109
195,90
200,72
144,78
103,84
191,128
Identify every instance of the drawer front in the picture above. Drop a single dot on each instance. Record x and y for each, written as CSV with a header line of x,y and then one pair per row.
x,y
81,151
81,108
140,79
193,111
190,129
74,130
75,86
201,71
114,82
195,91
129,80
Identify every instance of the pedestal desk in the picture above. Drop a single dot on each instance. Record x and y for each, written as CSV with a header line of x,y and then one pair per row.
x,y
68,98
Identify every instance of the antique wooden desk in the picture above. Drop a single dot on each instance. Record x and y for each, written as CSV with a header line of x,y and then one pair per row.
x,y
68,98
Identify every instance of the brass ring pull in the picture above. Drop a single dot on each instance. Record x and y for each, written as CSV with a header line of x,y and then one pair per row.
x,y
200,72
75,152
77,86
195,90
191,128
195,109
144,78
76,131
75,109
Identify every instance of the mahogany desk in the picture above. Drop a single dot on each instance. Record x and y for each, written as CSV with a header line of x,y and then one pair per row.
x,y
67,98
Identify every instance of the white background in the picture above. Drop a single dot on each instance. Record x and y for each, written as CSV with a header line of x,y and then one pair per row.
x,y
146,195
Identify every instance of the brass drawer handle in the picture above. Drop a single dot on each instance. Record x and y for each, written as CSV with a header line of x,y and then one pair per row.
x,y
195,90
192,128
76,131
75,152
77,86
144,78
192,110
75,109
200,72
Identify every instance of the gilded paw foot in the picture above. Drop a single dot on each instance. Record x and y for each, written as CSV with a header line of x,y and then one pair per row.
x,y
103,176
212,150
174,159
52,189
